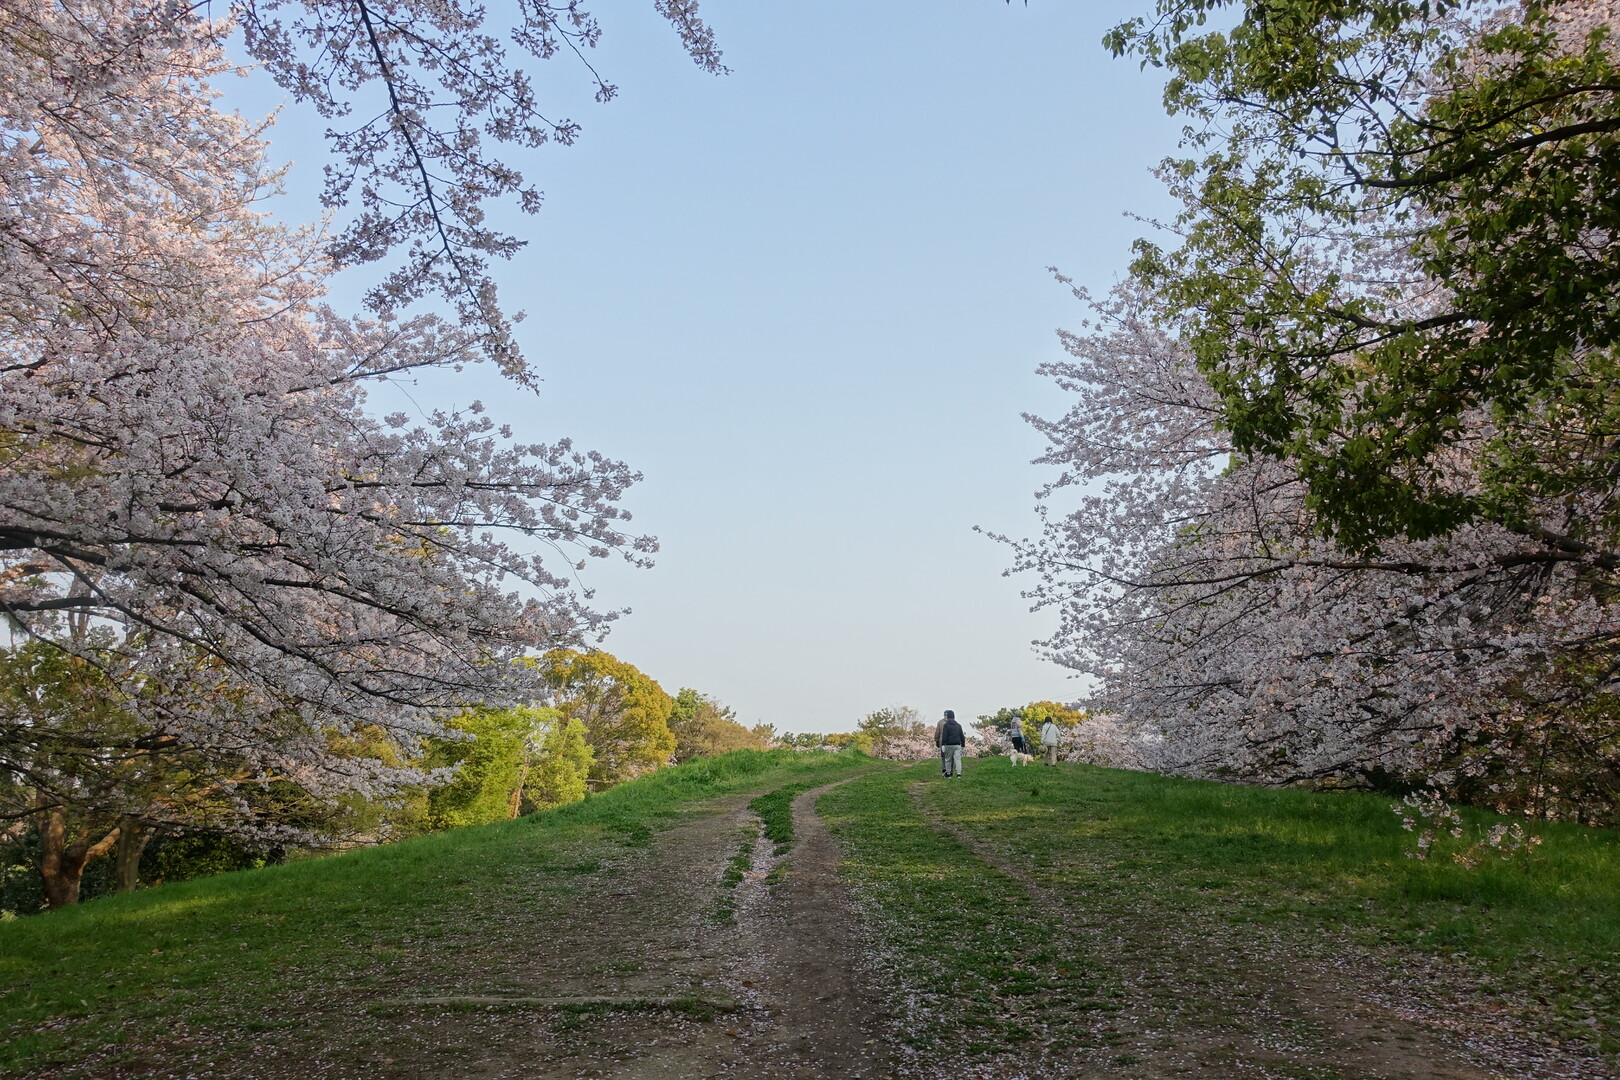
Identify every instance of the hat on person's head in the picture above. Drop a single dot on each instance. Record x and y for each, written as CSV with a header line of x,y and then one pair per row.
x,y
949,715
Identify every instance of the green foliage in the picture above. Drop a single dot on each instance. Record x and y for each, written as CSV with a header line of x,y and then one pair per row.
x,y
703,727
858,741
775,810
558,775
82,776
625,714
21,891
1037,713
1396,221
171,859
804,740
1029,718
490,766
1003,719
66,735
518,760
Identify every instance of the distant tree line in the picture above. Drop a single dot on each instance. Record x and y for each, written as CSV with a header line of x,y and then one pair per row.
x,y
80,810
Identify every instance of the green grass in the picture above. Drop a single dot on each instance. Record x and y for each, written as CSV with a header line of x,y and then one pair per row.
x,y
258,949
963,938
775,810
1319,856
1309,867
725,908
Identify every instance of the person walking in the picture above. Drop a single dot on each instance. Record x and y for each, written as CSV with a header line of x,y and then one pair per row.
x,y
950,738
1049,741
1015,734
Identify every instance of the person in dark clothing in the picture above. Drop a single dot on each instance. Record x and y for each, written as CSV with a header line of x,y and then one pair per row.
x,y
950,738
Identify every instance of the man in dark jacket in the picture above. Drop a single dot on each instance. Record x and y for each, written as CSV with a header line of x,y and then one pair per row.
x,y
950,738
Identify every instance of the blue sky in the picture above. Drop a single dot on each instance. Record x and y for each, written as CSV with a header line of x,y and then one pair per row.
x,y
807,299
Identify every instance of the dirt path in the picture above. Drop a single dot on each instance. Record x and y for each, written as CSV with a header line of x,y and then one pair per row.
x,y
818,1013
1264,1007
694,953
647,965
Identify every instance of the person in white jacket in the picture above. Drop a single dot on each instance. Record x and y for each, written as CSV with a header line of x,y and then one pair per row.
x,y
1049,741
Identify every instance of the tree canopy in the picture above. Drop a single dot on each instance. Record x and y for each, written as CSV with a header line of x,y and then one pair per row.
x,y
703,727
1397,249
625,713
285,590
1342,455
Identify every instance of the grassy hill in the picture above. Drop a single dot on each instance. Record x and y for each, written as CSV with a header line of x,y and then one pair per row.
x,y
1034,907
225,957
1069,892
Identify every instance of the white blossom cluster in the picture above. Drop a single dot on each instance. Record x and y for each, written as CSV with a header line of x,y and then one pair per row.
x,y
413,93
192,497
1193,586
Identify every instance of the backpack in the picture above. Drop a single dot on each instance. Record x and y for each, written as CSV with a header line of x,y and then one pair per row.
x,y
951,734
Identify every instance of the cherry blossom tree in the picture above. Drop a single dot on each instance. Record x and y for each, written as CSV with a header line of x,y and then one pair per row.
x,y
1194,584
1343,459
194,501
424,102
1478,140
896,733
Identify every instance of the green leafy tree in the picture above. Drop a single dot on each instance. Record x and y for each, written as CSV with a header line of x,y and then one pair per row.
x,y
91,780
1398,247
703,727
491,767
625,713
71,748
561,767
1037,713
1006,720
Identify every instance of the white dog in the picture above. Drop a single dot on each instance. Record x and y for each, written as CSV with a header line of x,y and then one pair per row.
x,y
1019,759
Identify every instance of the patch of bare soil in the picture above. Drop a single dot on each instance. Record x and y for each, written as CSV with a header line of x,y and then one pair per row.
x,y
1205,999
760,985
646,963
817,1011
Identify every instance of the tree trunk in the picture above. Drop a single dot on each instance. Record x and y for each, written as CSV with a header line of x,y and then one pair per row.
x,y
61,866
132,838
514,805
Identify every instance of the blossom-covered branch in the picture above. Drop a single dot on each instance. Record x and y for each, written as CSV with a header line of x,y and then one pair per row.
x,y
414,93
201,526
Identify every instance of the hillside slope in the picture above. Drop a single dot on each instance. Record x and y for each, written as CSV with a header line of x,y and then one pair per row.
x,y
1083,921
808,917
215,973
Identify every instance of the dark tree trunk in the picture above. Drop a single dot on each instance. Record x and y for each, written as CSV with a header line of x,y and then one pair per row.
x,y
61,865
132,838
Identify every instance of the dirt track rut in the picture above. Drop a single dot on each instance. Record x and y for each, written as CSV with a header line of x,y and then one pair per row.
x,y
646,976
